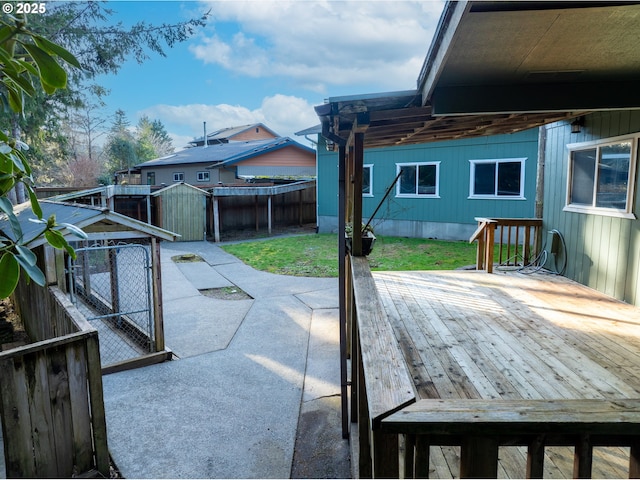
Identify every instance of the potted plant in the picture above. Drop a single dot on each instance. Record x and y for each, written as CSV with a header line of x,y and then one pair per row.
x,y
366,233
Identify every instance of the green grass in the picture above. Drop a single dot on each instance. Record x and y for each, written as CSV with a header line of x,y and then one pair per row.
x,y
317,255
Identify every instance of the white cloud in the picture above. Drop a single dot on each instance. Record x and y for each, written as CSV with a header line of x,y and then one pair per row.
x,y
282,113
318,43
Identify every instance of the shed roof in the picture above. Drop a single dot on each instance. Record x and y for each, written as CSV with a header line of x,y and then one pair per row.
x,y
500,67
266,147
82,216
180,185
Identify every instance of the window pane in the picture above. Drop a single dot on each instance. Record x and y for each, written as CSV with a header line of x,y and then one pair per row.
x,y
583,167
613,176
484,181
408,180
427,179
366,180
509,178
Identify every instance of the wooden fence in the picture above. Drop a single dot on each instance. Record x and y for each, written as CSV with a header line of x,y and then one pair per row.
x,y
51,402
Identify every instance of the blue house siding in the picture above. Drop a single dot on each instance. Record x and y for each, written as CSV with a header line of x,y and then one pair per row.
x,y
602,251
451,215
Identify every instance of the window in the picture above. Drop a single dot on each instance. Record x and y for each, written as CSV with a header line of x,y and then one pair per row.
x,y
178,177
151,178
501,178
203,176
418,179
601,177
367,180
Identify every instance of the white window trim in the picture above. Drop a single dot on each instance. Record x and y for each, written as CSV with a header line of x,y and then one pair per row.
x,y
472,171
175,174
418,195
631,181
203,173
370,166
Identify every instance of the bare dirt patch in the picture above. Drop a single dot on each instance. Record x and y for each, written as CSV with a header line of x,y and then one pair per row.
x,y
187,258
12,332
226,293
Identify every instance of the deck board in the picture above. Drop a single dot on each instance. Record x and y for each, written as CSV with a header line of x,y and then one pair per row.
x,y
467,334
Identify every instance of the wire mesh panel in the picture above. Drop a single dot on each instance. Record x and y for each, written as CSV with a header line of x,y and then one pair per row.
x,y
111,286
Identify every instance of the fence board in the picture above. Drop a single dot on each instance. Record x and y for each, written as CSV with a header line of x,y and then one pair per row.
x,y
60,402
80,412
15,431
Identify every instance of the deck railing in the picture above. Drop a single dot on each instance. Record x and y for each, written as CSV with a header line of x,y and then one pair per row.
x,y
516,238
481,426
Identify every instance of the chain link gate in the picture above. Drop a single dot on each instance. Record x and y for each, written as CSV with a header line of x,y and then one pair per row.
x,y
111,286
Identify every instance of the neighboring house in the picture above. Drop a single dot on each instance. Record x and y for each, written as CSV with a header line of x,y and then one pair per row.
x,y
279,158
243,133
443,187
231,157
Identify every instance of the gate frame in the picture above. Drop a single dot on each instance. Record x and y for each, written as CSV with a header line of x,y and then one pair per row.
x,y
115,287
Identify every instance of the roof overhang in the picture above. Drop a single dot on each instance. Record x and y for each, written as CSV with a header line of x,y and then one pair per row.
x,y
502,67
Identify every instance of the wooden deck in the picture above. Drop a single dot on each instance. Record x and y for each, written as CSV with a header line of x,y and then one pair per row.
x,y
471,335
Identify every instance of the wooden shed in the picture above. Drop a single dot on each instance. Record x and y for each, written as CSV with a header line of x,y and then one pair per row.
x,y
182,208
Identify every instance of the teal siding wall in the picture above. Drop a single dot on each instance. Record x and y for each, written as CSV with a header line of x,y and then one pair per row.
x,y
603,252
453,206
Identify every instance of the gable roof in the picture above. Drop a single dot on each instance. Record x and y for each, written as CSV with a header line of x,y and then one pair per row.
x,y
182,186
226,134
208,155
82,216
500,67
266,147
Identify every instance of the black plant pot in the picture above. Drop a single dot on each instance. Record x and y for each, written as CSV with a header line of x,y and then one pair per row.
x,y
368,240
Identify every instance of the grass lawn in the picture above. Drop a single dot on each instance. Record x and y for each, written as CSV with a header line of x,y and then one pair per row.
x,y
317,255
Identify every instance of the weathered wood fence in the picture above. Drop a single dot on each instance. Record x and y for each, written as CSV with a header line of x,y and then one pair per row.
x,y
51,402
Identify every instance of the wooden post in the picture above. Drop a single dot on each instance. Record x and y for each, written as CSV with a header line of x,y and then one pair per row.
x,y
385,455
255,202
535,458
156,284
491,228
216,219
634,459
342,293
358,164
269,202
96,399
479,457
583,458
422,456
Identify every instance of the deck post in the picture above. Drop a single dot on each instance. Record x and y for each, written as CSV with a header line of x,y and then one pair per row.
x,y
583,458
479,457
409,456
421,460
634,459
491,230
342,291
385,454
535,457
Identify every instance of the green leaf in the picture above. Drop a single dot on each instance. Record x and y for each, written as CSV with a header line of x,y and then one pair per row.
x,y
32,271
74,230
9,274
52,75
35,204
57,50
7,208
26,254
55,239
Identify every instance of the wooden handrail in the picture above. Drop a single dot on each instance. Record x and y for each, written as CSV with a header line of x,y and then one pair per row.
x,y
480,426
522,236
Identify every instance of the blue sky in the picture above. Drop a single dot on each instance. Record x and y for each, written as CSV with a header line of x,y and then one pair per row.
x,y
269,61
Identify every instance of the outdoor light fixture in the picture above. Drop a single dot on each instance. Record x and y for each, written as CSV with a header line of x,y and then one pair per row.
x,y
577,124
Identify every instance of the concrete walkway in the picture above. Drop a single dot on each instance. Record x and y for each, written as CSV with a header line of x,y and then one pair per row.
x,y
250,374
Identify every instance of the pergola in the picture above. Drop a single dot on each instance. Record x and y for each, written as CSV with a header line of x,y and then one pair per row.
x,y
493,67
